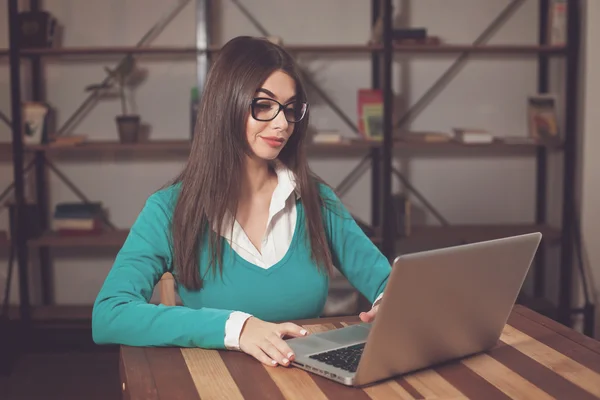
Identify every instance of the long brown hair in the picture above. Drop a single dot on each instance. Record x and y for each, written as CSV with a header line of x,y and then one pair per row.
x,y
211,179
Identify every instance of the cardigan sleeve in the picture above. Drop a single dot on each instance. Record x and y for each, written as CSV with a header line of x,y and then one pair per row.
x,y
122,313
354,254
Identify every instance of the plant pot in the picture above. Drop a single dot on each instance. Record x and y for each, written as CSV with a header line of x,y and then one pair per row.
x,y
128,127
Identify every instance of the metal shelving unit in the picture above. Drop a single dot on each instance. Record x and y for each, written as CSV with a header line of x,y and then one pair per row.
x,y
379,154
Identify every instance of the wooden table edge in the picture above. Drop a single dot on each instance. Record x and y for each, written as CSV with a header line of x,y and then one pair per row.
x,y
151,390
558,328
127,382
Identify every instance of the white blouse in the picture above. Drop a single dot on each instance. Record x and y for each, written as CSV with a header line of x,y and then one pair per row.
x,y
275,243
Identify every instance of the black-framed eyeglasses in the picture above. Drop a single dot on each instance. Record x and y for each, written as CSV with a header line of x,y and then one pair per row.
x,y
266,109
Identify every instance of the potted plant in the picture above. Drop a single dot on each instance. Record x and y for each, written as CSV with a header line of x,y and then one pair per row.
x,y
124,76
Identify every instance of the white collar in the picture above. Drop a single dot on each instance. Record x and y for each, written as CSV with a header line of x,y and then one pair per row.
x,y
286,181
286,186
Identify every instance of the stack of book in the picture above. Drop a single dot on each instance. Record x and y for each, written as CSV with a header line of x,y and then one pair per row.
x,y
77,218
370,113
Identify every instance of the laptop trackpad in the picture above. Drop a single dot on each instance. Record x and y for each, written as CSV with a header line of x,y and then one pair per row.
x,y
350,334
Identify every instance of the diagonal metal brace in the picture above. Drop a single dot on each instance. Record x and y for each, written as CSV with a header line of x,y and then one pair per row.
x,y
4,118
443,80
76,190
306,76
155,30
11,186
418,194
354,174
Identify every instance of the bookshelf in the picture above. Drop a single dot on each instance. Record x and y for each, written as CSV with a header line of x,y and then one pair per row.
x,y
322,48
381,153
313,148
420,234
108,238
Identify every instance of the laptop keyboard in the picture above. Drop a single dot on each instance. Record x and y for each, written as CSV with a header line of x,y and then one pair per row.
x,y
346,358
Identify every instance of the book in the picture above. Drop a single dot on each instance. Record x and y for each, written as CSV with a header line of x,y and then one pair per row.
x,y
425,137
77,218
329,137
373,120
543,119
473,136
77,210
370,113
557,23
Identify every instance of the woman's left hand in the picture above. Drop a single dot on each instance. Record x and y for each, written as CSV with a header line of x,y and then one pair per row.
x,y
369,316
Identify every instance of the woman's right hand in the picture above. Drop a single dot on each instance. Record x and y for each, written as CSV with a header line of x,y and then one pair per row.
x,y
264,341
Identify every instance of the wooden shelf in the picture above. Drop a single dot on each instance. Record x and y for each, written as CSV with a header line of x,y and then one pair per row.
x,y
106,239
339,149
484,49
419,234
164,146
53,313
299,48
432,237
83,313
114,50
115,146
472,233
496,146
353,147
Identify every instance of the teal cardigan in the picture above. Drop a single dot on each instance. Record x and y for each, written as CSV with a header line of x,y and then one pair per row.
x,y
291,289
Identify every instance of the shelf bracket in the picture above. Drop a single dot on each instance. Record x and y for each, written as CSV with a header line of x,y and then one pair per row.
x,y
4,118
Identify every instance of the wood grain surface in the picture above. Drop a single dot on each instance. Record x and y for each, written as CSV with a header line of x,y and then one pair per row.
x,y
535,358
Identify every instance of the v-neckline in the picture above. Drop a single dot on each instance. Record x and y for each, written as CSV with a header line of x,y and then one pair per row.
x,y
288,254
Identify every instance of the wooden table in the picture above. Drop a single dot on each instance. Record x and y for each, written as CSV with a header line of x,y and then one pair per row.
x,y
536,358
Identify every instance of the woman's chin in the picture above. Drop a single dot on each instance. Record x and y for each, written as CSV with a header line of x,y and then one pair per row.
x,y
268,154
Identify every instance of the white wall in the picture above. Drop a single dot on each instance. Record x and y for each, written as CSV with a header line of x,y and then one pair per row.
x,y
590,196
488,93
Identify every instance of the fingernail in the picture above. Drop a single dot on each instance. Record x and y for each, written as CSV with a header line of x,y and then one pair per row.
x,y
285,361
290,355
273,362
303,332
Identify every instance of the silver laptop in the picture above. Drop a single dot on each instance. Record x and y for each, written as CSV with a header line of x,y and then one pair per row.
x,y
438,306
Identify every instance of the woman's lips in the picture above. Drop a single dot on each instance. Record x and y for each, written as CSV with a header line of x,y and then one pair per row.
x,y
273,141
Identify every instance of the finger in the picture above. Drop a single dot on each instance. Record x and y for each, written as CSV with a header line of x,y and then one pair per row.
x,y
370,315
291,329
272,351
282,347
262,357
364,317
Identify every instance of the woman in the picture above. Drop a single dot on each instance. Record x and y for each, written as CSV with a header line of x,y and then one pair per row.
x,y
249,233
